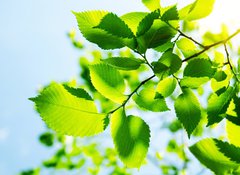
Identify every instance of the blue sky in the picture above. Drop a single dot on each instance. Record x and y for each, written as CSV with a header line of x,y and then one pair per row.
x,y
35,50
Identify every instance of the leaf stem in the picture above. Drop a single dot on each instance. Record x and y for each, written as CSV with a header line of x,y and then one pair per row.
x,y
131,94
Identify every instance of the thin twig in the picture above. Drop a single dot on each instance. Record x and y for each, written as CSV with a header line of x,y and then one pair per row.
x,y
131,94
229,63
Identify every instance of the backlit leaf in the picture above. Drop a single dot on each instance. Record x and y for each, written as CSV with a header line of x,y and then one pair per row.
x,y
108,81
68,114
166,86
152,4
197,10
188,110
124,63
170,14
207,152
90,19
115,26
217,105
131,136
146,99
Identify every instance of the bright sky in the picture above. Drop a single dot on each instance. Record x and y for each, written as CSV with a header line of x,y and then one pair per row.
x,y
34,50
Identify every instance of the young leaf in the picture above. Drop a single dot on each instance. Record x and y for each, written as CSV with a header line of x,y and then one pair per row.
x,y
124,63
68,114
131,136
86,23
133,19
115,26
146,99
229,150
166,86
152,4
147,22
199,68
188,110
170,14
168,64
208,154
108,81
197,10
217,106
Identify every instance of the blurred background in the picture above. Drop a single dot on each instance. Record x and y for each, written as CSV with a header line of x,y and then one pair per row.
x,y
35,49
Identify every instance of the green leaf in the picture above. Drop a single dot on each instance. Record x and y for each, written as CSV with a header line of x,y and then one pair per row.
x,y
217,106
66,113
124,63
133,19
86,23
199,68
157,35
131,136
170,14
115,26
152,4
169,63
187,47
166,86
193,82
207,152
78,92
108,81
147,22
146,99
197,10
188,110
233,131
220,76
229,150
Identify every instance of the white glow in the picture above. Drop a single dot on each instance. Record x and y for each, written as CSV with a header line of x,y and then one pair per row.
x,y
225,12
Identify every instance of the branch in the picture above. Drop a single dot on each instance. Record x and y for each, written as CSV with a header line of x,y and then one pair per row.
x,y
212,45
132,93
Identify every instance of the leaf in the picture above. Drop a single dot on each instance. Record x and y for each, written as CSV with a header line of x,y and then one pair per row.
x,y
131,136
229,150
233,131
169,63
86,23
187,47
193,82
108,81
146,99
217,106
199,68
166,86
197,10
170,14
133,19
78,92
208,154
147,22
220,76
124,63
152,4
188,110
68,114
157,35
115,26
